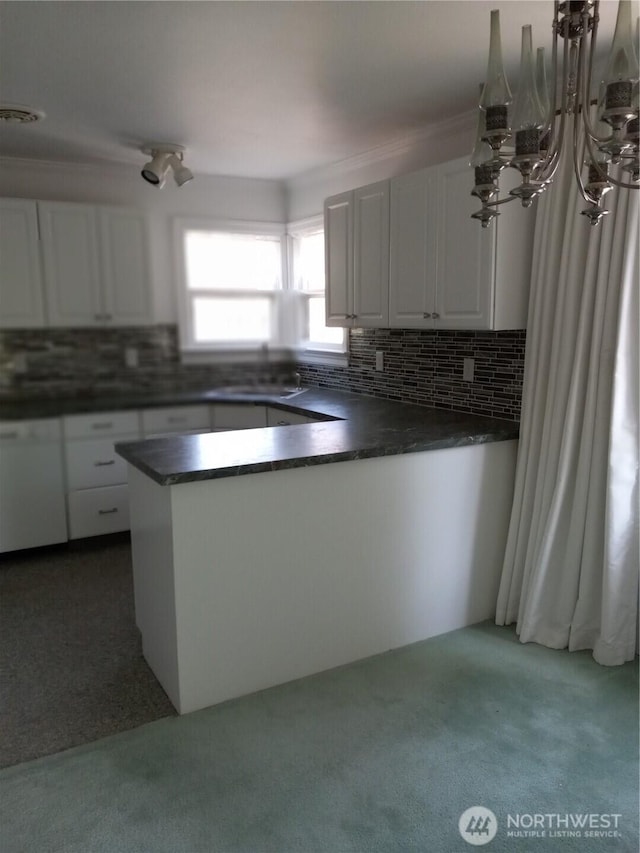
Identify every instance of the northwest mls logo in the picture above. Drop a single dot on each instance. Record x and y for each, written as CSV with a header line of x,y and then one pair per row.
x,y
478,825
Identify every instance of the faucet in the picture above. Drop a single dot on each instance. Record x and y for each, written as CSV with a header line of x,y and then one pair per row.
x,y
298,381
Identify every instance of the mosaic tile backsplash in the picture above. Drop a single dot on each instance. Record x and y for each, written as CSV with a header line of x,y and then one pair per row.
x,y
423,367
78,362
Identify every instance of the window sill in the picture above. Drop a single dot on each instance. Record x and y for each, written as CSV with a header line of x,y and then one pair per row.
x,y
330,359
240,355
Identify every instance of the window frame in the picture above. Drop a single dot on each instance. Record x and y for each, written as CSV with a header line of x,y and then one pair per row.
x,y
314,352
193,350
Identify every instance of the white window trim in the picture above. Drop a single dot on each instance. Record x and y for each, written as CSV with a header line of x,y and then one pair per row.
x,y
207,353
193,352
329,354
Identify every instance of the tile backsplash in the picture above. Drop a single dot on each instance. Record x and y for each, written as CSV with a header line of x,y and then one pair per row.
x,y
423,367
76,362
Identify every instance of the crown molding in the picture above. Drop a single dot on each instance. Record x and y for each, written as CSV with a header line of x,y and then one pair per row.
x,y
409,142
62,165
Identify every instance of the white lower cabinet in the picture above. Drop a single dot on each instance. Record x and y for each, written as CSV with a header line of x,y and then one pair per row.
x,y
32,497
174,420
70,464
96,477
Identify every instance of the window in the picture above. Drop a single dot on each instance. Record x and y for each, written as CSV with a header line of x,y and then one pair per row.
x,y
242,285
308,280
232,286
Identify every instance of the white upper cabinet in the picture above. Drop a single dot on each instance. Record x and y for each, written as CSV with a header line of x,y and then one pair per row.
x,y
412,280
446,271
357,257
464,253
125,266
95,265
371,255
338,230
71,266
21,296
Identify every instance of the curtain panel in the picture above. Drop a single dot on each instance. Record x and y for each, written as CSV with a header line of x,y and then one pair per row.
x,y
570,574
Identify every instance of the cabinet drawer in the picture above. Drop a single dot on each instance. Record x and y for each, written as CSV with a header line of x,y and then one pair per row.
x,y
94,462
101,424
93,512
175,419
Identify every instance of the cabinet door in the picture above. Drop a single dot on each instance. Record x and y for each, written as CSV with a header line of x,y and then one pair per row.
x,y
465,255
21,297
71,269
412,263
371,256
175,420
125,266
338,234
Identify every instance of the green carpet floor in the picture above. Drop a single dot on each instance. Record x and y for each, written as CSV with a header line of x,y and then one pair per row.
x,y
382,755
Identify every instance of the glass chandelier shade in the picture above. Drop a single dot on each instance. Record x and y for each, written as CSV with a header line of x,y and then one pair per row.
x,y
528,132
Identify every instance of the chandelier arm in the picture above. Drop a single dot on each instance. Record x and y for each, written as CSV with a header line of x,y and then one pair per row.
x,y
504,200
578,158
551,161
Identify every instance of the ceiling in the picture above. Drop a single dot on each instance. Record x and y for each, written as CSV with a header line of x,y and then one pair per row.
x,y
258,89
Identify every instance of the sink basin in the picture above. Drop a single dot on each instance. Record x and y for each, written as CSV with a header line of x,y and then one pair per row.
x,y
268,390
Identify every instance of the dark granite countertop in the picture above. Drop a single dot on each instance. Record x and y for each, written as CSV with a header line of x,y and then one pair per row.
x,y
363,427
350,426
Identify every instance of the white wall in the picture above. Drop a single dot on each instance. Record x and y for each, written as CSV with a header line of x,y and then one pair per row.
x,y
426,147
206,195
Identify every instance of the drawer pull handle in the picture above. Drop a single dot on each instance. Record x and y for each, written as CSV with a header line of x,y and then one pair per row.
x,y
176,420
104,425
107,511
8,435
102,464
284,423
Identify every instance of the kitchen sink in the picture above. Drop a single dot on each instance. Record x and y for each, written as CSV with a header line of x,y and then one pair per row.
x,y
268,390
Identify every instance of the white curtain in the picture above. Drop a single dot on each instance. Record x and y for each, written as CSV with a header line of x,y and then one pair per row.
x,y
570,574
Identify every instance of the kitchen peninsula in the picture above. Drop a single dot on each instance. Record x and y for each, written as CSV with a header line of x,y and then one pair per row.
x,y
268,554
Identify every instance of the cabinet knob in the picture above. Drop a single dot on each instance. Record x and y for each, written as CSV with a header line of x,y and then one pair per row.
x,y
426,315
107,511
435,315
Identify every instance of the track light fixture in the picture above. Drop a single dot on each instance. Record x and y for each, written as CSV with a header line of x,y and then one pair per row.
x,y
164,157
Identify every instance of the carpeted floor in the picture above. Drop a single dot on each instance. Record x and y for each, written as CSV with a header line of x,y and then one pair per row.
x,y
381,756
71,666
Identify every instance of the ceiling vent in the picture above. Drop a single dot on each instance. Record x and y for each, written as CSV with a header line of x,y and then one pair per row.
x,y
19,113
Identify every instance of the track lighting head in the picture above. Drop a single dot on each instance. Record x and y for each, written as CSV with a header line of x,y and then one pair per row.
x,y
163,157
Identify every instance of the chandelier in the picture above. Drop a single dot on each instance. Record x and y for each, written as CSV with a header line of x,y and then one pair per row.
x,y
541,119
